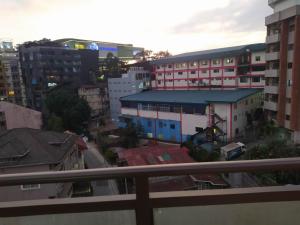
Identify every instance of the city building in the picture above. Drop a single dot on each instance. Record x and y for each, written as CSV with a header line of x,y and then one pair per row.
x,y
16,116
124,52
134,81
46,64
97,98
283,65
176,116
12,88
224,68
164,154
28,150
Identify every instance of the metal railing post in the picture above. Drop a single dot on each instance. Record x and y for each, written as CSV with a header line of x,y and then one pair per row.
x,y
143,211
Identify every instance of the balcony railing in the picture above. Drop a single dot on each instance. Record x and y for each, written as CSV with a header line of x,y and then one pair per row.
x,y
263,205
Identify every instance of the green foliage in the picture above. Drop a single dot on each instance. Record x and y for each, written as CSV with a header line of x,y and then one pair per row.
x,y
72,110
130,135
272,150
55,123
112,66
110,156
201,155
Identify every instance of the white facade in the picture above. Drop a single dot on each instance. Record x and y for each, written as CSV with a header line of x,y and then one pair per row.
x,y
136,80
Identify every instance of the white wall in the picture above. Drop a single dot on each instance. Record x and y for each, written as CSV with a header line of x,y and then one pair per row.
x,y
190,122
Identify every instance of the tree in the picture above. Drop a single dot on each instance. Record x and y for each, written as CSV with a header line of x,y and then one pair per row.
x,y
130,135
67,108
112,66
55,123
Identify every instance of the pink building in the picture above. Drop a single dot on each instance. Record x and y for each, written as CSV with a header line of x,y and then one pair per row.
x,y
15,116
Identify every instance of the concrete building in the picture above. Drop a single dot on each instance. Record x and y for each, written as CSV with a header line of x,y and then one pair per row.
x,y
123,51
29,150
136,80
12,88
225,68
46,64
97,98
178,115
15,116
283,65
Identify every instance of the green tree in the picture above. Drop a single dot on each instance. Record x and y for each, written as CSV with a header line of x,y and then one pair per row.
x,y
112,66
72,110
130,135
55,123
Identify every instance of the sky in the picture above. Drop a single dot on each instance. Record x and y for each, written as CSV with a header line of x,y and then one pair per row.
x,y
173,25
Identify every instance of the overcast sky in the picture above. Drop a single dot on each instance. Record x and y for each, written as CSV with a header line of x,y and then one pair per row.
x,y
174,25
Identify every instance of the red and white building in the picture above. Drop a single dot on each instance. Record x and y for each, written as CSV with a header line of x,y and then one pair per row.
x,y
225,68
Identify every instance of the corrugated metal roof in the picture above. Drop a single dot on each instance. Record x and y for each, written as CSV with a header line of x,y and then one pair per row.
x,y
191,97
213,53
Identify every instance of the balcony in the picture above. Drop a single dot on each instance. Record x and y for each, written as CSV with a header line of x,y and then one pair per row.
x,y
271,56
276,205
271,106
272,73
271,89
273,38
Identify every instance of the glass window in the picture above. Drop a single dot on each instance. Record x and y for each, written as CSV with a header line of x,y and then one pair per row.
x,y
172,126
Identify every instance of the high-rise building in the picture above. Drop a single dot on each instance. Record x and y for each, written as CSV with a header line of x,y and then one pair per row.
x,y
224,68
282,91
46,64
12,88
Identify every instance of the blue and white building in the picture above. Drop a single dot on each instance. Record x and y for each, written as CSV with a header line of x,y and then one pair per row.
x,y
175,116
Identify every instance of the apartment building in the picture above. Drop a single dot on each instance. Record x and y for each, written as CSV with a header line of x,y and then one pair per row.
x,y
283,65
225,68
12,87
46,64
137,79
177,115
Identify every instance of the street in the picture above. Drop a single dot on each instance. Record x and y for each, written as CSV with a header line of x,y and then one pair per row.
x,y
94,159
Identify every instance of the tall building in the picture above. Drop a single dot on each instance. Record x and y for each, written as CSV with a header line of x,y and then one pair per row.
x,y
12,88
225,68
136,80
283,65
46,64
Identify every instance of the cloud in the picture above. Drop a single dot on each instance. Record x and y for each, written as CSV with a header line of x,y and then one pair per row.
x,y
237,16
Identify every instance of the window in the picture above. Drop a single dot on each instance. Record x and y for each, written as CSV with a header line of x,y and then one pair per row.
x,y
237,131
229,70
169,66
290,47
204,71
193,72
229,60
149,123
159,82
257,58
256,79
243,79
193,64
216,70
179,73
204,62
160,124
287,117
216,61
290,65
172,126
158,67
246,102
27,187
289,83
235,118
164,108
288,100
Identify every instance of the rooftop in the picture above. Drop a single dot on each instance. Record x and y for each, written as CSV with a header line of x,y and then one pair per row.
x,y
191,97
25,147
213,53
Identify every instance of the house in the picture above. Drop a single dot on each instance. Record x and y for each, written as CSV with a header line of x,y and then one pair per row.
x,y
169,154
26,150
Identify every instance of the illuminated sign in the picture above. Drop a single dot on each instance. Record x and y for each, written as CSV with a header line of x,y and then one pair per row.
x,y
79,46
107,49
52,84
93,46
11,93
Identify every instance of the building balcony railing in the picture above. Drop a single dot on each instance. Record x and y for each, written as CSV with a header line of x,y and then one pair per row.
x,y
261,205
272,73
271,56
273,38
